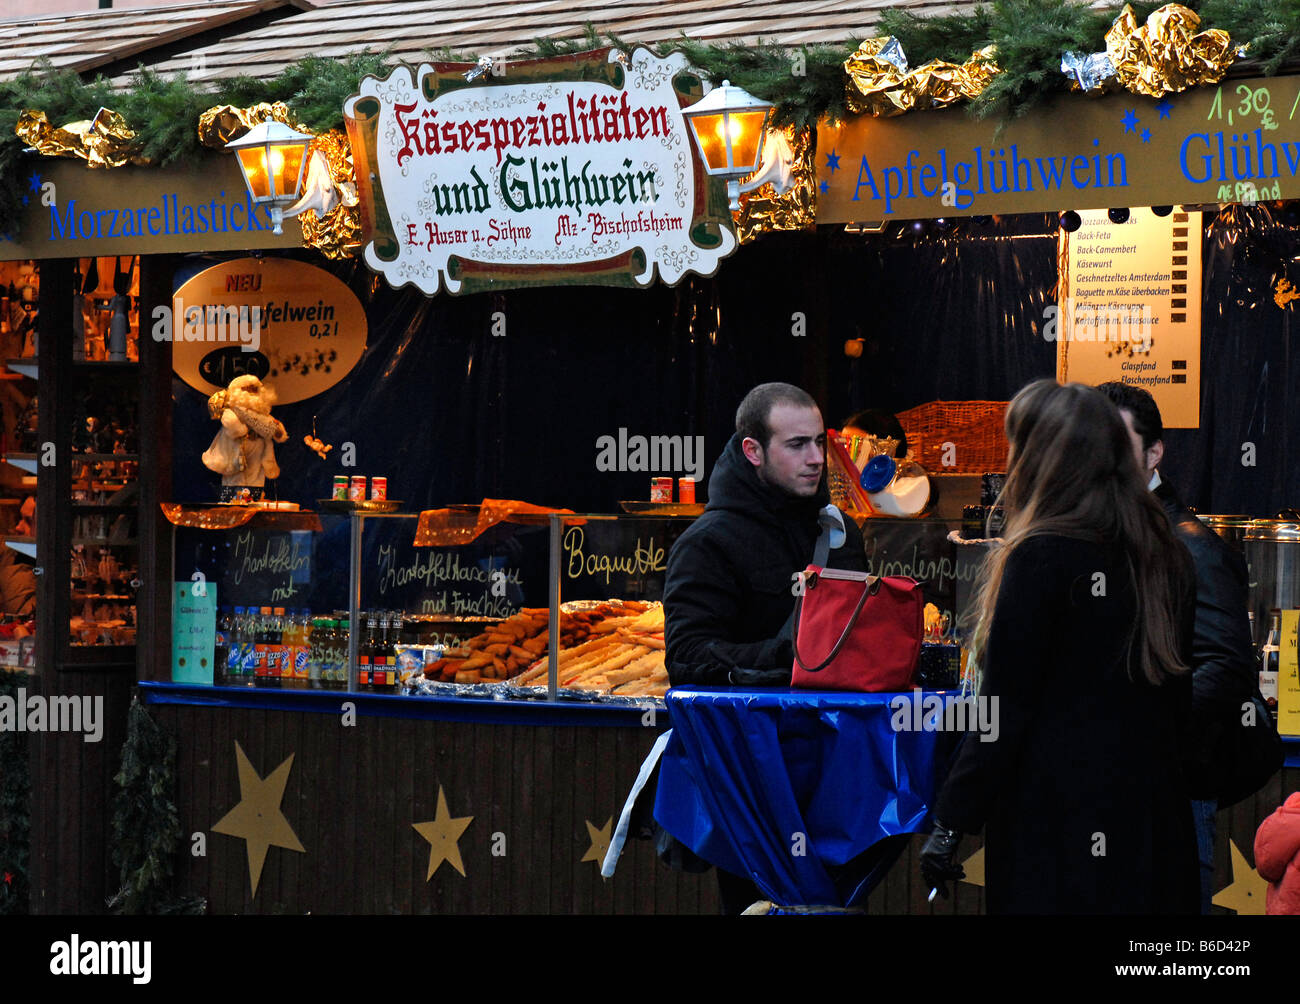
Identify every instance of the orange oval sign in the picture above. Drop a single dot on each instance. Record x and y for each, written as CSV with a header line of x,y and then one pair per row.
x,y
291,324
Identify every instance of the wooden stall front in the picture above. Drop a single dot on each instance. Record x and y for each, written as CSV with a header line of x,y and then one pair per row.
x,y
538,789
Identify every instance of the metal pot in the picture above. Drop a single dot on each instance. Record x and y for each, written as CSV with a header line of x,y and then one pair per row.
x,y
1230,528
1272,550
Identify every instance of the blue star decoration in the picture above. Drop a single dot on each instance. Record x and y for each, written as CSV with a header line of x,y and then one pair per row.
x,y
825,188
1146,135
833,161
35,182
1165,107
1130,121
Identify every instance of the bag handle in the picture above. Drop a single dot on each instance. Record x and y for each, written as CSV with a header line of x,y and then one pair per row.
x,y
870,589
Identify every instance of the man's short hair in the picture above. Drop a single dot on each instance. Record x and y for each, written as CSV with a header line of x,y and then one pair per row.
x,y
755,410
1141,405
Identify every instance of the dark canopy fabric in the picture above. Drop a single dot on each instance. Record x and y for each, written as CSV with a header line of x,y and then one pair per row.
x,y
451,412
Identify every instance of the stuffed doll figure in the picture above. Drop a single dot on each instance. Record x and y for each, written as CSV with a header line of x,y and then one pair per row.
x,y
242,451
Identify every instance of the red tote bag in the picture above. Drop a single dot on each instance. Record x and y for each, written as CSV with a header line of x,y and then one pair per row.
x,y
854,631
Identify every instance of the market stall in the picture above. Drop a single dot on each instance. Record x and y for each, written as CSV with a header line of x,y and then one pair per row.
x,y
432,692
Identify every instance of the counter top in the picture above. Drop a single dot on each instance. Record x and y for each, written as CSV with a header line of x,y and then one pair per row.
x,y
515,711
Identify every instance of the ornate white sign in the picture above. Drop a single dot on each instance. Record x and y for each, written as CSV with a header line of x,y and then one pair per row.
x,y
579,169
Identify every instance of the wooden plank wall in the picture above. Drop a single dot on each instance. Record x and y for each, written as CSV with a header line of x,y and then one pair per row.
x,y
71,865
354,793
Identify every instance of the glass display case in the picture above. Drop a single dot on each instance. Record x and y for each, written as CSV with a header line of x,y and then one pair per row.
x,y
367,602
451,603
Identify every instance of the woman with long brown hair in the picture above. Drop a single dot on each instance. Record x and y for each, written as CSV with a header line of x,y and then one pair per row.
x,y
1082,626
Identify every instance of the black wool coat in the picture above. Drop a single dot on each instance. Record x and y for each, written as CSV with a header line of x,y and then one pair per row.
x,y
1082,796
728,596
1224,672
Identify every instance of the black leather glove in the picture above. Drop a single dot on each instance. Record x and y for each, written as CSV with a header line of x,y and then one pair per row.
x,y
741,677
937,864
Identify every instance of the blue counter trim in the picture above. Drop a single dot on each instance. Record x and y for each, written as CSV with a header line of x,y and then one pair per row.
x,y
441,709
1291,744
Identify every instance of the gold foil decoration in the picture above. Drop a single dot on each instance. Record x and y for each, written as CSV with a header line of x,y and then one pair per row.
x,y
222,123
336,234
458,525
1164,55
1285,293
763,210
228,517
104,141
880,85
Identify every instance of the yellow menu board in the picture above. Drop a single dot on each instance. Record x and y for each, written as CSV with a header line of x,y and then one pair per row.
x,y
1288,677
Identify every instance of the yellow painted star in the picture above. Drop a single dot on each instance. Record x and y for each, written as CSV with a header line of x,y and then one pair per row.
x,y
974,866
257,818
1246,893
599,841
443,833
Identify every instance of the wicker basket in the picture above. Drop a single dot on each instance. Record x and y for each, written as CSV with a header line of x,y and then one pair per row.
x,y
975,428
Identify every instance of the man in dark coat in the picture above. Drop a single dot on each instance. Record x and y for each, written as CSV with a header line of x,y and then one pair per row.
x,y
730,590
1223,662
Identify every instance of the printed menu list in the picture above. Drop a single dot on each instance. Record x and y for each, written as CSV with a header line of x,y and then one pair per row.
x,y
1131,308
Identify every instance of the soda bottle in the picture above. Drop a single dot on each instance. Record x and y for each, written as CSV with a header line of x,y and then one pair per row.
x,y
252,624
247,654
302,649
238,648
317,666
267,663
279,650
221,650
366,654
257,645
379,670
344,636
234,671
387,652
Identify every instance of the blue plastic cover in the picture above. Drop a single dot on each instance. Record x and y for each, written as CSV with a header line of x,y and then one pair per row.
x,y
878,473
750,779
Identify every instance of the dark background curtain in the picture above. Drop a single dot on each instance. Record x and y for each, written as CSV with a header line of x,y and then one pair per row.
x,y
451,413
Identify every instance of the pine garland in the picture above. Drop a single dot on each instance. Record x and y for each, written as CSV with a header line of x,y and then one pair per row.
x,y
146,824
1271,28
806,83
164,112
1031,35
15,808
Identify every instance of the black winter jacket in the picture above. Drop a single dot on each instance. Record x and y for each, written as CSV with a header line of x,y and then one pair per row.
x,y
1082,796
1223,665
728,597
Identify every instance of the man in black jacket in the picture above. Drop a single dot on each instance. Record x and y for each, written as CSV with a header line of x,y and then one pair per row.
x,y
730,590
1224,674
